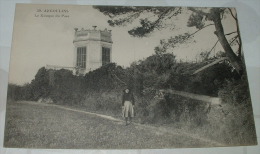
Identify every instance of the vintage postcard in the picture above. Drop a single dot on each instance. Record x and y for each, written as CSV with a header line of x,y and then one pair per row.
x,y
127,77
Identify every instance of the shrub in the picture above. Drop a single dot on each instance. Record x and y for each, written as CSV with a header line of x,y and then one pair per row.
x,y
106,102
237,118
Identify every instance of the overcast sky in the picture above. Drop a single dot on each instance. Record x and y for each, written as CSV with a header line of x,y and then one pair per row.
x,y
41,41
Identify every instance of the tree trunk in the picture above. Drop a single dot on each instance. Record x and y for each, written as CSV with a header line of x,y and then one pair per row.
x,y
235,61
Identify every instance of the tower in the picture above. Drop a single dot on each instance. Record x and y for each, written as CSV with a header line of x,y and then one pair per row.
x,y
92,49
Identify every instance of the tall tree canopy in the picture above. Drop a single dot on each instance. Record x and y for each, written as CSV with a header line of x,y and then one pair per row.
x,y
163,17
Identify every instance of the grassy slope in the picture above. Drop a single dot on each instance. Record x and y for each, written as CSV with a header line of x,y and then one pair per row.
x,y
39,126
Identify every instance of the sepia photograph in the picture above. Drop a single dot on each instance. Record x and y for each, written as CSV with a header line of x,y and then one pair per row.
x,y
127,77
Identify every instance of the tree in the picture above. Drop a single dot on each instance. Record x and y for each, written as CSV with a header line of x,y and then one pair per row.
x,y
162,17
40,84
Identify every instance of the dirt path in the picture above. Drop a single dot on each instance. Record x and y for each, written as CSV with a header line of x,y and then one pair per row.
x,y
156,130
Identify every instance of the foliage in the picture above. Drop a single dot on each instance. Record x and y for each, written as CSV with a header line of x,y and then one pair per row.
x,y
145,77
109,102
122,15
101,91
235,92
160,17
104,78
14,92
65,87
40,84
38,88
211,81
235,124
196,20
173,42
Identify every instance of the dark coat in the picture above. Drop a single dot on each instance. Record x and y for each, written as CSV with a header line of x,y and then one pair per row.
x,y
128,97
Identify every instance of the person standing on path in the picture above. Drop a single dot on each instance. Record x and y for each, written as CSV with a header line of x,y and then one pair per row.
x,y
128,105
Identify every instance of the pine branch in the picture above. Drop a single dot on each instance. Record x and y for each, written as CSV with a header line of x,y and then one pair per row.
x,y
175,13
233,39
200,29
214,46
232,13
231,33
161,16
239,38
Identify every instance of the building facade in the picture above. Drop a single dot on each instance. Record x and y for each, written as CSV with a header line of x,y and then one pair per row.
x,y
92,49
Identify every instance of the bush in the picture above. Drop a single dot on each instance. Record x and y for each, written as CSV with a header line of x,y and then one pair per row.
x,y
101,91
231,124
237,114
173,109
235,92
14,92
106,102
66,88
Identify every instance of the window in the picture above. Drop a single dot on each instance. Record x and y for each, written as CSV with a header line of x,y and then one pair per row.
x,y
81,57
105,55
